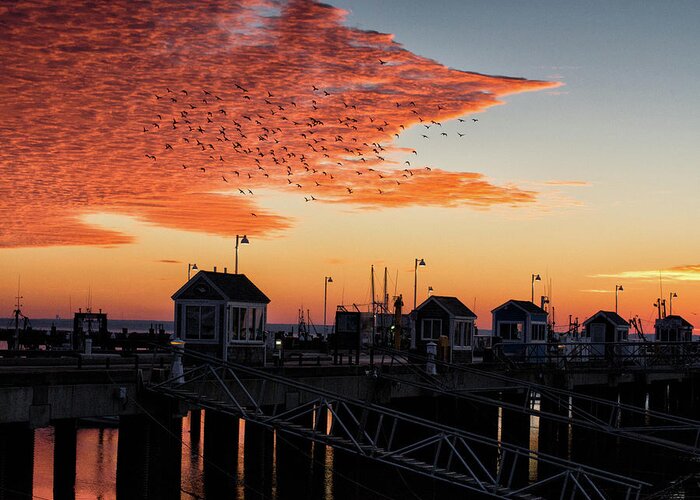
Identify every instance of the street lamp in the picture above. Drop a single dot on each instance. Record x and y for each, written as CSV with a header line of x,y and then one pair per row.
x,y
671,296
419,262
535,277
326,280
243,241
190,268
618,288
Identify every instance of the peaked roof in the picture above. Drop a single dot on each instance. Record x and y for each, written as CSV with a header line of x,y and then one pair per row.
x,y
234,287
611,316
675,317
525,305
452,305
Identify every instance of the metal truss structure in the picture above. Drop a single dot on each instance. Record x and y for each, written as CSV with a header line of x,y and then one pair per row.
x,y
590,412
385,435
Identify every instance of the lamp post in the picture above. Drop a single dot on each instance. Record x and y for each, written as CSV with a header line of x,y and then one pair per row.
x,y
671,296
190,268
618,288
419,262
242,241
326,280
535,277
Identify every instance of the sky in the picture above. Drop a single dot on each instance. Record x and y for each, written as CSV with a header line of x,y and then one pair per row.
x,y
493,139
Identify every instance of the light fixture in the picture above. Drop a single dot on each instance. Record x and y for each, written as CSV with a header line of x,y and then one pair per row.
x,y
618,288
190,268
243,241
534,277
418,262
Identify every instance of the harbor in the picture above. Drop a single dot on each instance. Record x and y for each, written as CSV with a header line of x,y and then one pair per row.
x,y
421,395
349,250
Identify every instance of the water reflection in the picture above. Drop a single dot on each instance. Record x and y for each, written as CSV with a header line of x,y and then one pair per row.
x,y
255,463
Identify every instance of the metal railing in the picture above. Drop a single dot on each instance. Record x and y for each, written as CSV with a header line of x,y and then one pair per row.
x,y
630,354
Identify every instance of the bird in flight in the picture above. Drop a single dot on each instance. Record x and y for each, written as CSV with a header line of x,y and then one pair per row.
x,y
382,62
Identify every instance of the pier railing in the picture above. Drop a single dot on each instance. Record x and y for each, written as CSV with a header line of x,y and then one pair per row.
x,y
616,354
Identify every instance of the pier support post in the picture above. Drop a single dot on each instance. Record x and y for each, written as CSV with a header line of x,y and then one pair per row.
x,y
480,419
553,437
258,461
132,457
221,434
515,429
658,400
584,441
64,456
165,467
16,461
149,455
634,394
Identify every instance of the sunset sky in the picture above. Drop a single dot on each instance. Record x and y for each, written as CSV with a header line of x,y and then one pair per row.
x,y
138,137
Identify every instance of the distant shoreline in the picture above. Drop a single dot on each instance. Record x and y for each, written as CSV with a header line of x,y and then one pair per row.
x,y
116,325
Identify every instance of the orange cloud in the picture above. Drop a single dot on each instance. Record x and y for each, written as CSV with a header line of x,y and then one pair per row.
x,y
177,113
689,272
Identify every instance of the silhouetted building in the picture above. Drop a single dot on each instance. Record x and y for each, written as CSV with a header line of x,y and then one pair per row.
x,y
518,323
447,322
673,328
603,329
223,315
606,326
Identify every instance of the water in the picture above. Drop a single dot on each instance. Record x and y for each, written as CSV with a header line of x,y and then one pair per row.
x,y
271,465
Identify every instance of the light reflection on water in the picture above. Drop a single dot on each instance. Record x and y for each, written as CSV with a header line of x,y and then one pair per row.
x,y
97,465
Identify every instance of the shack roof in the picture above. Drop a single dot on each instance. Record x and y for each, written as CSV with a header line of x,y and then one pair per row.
x,y
233,287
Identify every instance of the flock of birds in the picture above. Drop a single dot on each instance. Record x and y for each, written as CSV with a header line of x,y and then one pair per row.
x,y
204,132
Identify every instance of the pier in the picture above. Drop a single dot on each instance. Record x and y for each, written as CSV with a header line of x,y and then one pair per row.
x,y
468,425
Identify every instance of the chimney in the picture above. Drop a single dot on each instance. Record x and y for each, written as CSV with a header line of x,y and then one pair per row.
x,y
225,270
214,268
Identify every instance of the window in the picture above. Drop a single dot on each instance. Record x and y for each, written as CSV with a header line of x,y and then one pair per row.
x,y
200,322
538,331
432,328
464,332
622,334
508,330
245,324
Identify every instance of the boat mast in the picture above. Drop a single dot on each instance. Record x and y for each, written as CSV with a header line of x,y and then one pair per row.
x,y
374,308
17,313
